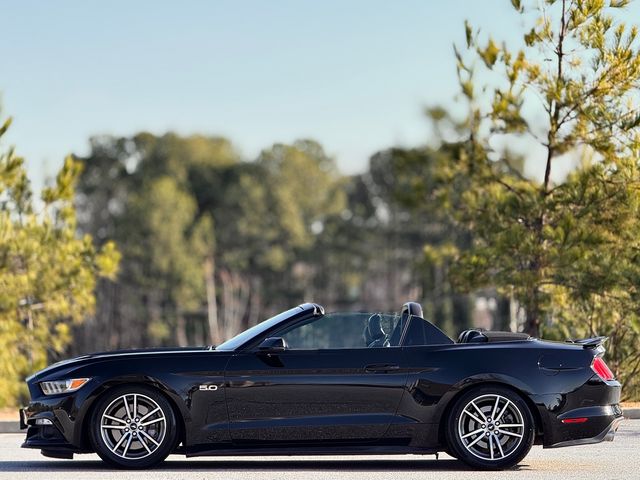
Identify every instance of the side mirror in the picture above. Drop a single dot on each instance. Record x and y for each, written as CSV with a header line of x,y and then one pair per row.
x,y
272,345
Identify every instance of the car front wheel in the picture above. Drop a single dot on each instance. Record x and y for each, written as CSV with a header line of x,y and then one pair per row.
x,y
490,428
133,427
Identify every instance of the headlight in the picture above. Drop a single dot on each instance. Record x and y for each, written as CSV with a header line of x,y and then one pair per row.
x,y
63,386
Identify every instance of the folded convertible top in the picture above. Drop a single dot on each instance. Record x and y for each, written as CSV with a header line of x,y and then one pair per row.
x,y
484,336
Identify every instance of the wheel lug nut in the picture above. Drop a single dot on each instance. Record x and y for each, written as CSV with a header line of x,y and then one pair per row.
x,y
126,429
137,420
483,426
128,420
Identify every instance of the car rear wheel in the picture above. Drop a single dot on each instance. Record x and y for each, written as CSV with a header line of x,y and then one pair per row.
x,y
490,428
133,427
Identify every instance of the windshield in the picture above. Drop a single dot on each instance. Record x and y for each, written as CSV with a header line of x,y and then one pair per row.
x,y
261,327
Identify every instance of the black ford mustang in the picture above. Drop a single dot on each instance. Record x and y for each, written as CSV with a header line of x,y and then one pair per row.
x,y
306,382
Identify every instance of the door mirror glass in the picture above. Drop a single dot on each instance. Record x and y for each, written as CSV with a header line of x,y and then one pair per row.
x,y
273,344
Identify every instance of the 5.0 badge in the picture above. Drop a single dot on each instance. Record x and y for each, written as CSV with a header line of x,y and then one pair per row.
x,y
210,388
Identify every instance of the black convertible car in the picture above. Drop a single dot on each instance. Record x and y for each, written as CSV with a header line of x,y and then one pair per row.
x,y
306,382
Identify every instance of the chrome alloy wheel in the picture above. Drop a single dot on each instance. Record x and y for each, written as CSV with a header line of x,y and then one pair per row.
x,y
133,426
491,427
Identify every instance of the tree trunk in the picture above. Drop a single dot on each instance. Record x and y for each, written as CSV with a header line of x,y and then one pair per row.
x,y
533,312
212,305
255,305
235,302
181,329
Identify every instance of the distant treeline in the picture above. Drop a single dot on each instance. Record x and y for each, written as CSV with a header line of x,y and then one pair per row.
x,y
212,243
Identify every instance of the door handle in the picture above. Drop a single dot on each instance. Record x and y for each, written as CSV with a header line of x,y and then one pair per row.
x,y
381,367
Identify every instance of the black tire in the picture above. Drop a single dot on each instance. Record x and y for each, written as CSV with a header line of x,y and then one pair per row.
x,y
498,444
158,438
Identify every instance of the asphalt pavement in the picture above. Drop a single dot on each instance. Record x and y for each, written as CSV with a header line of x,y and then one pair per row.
x,y
619,459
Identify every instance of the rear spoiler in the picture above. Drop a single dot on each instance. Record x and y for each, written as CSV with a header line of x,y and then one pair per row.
x,y
593,343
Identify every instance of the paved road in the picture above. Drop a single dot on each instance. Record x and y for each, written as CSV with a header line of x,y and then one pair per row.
x,y
605,461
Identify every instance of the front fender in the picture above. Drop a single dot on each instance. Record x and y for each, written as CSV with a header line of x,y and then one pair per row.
x,y
88,403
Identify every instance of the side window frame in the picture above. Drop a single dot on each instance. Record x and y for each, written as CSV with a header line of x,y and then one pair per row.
x,y
287,328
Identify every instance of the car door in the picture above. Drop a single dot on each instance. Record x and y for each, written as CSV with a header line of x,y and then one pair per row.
x,y
327,386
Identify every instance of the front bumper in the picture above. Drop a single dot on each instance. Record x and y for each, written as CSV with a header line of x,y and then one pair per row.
x,y
47,437
49,427
23,420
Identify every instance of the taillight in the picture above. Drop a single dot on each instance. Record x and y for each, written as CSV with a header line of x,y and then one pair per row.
x,y
601,369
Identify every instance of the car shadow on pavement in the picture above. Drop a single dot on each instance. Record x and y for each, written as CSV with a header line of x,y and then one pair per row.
x,y
447,464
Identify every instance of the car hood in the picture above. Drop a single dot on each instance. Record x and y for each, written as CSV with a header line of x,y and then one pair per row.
x,y
76,361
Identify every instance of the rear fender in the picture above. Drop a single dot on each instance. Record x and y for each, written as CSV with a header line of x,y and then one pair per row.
x,y
506,381
483,379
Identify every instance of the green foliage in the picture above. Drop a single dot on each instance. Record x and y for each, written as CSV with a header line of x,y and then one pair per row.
x,y
566,251
296,187
403,181
212,243
203,235
47,273
151,195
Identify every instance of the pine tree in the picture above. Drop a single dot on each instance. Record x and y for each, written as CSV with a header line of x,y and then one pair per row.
x,y
565,250
47,272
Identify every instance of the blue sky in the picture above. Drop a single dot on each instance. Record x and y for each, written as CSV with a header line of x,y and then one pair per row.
x,y
354,75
